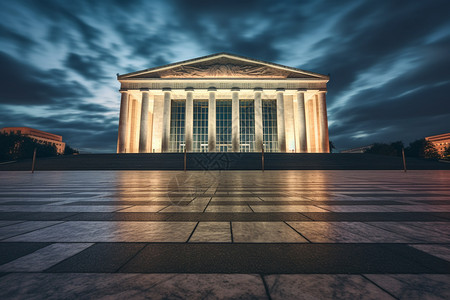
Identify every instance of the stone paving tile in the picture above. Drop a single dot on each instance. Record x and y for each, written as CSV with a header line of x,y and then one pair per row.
x,y
12,251
90,231
405,229
99,258
441,251
217,232
361,208
409,286
144,208
423,208
264,232
347,232
377,216
7,223
322,286
44,258
24,227
284,208
228,208
132,286
283,258
36,216
62,208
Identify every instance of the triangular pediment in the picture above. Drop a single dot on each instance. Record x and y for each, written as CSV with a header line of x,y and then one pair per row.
x,y
222,65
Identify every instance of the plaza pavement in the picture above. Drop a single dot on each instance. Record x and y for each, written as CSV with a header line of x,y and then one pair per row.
x,y
229,234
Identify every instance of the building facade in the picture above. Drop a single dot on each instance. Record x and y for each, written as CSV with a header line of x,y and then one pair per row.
x,y
39,136
223,103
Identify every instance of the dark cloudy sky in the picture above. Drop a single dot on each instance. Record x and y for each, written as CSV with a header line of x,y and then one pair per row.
x,y
389,61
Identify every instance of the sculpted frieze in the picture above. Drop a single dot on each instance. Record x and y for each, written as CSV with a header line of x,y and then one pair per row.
x,y
223,71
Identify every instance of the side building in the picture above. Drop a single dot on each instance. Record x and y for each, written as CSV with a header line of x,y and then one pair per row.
x,y
39,136
440,141
223,103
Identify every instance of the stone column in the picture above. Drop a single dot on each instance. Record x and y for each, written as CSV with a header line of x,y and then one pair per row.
x,y
315,110
166,120
123,122
258,120
189,122
212,120
280,121
302,120
235,131
323,122
143,133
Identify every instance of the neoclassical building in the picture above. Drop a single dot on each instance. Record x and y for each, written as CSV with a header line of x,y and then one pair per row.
x,y
223,103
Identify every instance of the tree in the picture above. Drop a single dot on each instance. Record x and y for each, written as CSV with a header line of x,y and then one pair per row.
x,y
69,150
13,146
392,149
423,149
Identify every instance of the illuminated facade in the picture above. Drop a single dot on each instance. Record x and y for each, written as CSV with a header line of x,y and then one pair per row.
x,y
440,142
223,103
42,137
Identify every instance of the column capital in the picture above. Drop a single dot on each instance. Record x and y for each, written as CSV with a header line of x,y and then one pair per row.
x,y
321,91
145,90
123,90
189,89
258,89
235,89
302,90
166,89
212,89
280,90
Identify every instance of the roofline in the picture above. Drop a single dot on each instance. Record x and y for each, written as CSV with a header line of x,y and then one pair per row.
x,y
124,76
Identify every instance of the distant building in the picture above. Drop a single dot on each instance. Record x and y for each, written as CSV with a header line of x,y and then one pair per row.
x,y
357,150
440,141
39,136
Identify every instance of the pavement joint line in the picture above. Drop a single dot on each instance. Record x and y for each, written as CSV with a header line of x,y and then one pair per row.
x,y
128,260
204,210
309,219
298,232
231,233
266,287
120,209
397,233
59,222
378,286
192,233
391,231
159,211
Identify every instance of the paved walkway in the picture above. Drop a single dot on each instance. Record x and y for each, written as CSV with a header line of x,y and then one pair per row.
x,y
230,234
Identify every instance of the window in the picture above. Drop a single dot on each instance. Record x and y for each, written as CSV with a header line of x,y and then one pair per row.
x,y
200,134
177,119
269,118
247,125
223,125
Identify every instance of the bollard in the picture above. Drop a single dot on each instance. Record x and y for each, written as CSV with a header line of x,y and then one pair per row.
x,y
404,161
262,157
34,160
185,159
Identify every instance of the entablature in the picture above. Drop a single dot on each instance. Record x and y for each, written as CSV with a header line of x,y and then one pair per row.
x,y
223,84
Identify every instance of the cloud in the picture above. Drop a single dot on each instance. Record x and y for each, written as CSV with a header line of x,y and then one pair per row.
x,y
85,65
22,84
